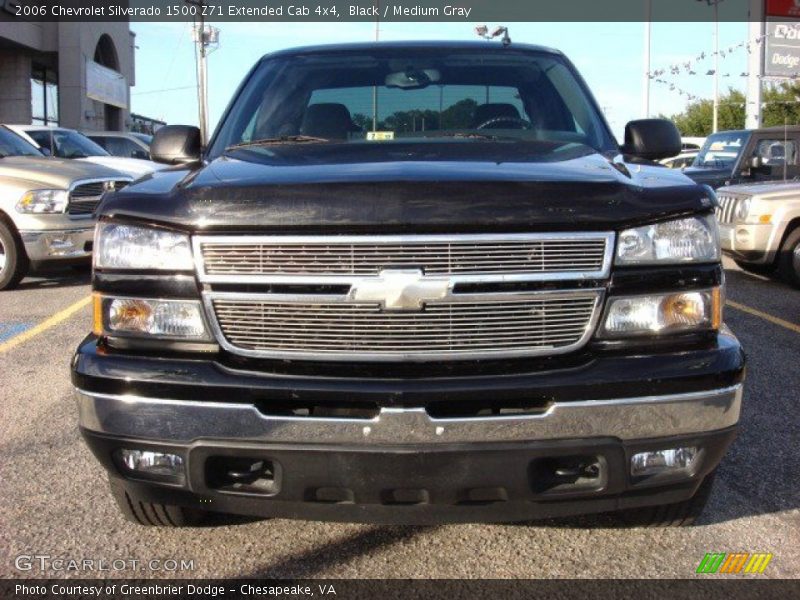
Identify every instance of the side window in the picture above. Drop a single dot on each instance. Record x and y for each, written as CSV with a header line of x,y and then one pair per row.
x,y
776,153
132,149
40,137
101,141
121,147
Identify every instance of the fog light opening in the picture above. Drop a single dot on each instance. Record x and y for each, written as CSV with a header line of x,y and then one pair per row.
x,y
151,464
682,460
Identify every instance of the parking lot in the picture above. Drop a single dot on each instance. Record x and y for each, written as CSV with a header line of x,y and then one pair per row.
x,y
56,503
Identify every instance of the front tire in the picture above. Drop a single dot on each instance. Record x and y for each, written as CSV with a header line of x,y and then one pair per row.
x,y
678,514
754,268
13,260
788,259
150,514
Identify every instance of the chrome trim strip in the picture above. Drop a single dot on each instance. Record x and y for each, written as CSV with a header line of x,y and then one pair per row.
x,y
451,298
606,236
186,421
80,182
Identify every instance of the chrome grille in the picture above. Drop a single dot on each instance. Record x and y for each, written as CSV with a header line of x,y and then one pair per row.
x,y
84,197
463,325
726,211
318,259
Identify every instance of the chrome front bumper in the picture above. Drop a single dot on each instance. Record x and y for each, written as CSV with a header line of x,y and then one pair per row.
x,y
55,244
183,422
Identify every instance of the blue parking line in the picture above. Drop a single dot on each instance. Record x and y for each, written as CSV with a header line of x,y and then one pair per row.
x,y
10,329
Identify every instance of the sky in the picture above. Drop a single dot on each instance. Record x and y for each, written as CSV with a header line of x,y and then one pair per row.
x,y
610,56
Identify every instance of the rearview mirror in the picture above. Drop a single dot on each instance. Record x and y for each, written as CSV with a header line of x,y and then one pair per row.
x,y
176,145
652,139
412,78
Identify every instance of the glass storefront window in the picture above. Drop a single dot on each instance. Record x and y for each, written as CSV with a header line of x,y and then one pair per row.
x,y
44,96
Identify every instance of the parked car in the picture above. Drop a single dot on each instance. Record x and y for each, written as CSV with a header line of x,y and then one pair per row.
x,y
684,159
356,310
46,207
743,156
692,143
121,143
760,227
68,143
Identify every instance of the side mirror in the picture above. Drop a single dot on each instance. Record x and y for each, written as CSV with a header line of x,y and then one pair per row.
x,y
756,163
140,154
652,139
45,151
176,145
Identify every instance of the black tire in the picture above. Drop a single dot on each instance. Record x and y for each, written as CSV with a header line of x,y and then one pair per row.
x,y
757,269
13,260
142,512
788,267
679,514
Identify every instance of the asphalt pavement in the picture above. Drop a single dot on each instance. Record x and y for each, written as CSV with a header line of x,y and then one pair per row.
x,y
56,503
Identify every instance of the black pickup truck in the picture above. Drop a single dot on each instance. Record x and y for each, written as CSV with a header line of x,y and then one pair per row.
x,y
410,283
747,156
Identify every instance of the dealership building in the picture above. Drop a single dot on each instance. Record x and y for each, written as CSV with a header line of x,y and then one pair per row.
x,y
72,74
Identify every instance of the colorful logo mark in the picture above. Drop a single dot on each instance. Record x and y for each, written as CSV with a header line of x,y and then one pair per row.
x,y
736,562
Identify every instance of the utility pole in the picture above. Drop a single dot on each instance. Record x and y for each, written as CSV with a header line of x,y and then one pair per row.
x,y
204,37
715,123
374,87
755,62
648,14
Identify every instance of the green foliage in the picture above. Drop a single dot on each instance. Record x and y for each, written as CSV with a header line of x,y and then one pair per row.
x,y
456,116
780,106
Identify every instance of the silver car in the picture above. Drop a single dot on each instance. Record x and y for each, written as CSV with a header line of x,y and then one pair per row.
x,y
46,206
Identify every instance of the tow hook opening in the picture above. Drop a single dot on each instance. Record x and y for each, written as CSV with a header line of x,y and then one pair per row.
x,y
242,475
568,474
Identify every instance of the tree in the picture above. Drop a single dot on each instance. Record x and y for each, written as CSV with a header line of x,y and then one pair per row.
x,y
781,105
456,116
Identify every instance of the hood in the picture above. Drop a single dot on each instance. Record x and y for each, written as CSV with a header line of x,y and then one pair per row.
x,y
764,189
135,167
57,173
712,176
443,186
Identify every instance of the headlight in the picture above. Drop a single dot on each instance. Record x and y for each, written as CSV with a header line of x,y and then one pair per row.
x,y
662,314
695,239
43,201
743,209
134,247
171,319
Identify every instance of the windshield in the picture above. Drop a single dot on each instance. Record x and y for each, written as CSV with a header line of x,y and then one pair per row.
x,y
13,145
67,143
387,95
721,150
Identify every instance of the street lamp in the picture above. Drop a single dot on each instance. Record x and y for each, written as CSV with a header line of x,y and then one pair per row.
x,y
715,119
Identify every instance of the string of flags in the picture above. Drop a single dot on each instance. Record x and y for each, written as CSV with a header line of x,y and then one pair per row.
x,y
690,67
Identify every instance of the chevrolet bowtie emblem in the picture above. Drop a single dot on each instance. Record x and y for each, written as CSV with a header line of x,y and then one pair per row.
x,y
400,289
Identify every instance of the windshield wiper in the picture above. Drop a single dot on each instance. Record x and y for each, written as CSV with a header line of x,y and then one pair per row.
x,y
468,134
284,139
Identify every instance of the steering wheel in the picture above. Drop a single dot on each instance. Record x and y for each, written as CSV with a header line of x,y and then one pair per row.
x,y
522,123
